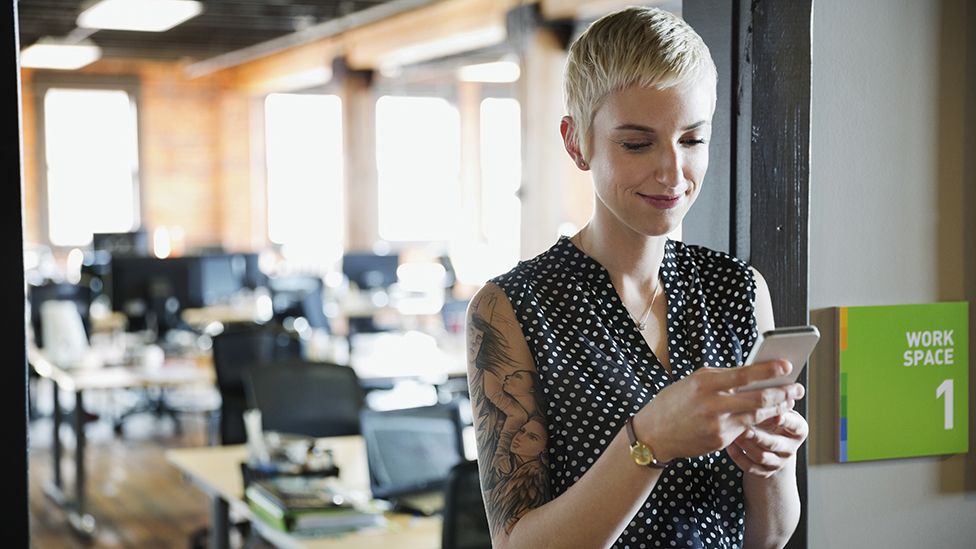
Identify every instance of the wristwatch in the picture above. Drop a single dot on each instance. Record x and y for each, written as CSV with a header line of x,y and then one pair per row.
x,y
640,452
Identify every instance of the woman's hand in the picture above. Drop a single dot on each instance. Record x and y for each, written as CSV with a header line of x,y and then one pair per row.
x,y
766,448
703,413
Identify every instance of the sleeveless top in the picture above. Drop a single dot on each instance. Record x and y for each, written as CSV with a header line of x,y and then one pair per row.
x,y
597,371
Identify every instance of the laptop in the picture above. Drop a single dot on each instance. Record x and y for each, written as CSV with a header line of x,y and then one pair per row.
x,y
410,453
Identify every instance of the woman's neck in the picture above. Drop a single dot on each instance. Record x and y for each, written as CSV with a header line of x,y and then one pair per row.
x,y
632,259
624,253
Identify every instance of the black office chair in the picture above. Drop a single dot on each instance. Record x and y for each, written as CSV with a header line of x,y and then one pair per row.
x,y
465,520
236,349
314,399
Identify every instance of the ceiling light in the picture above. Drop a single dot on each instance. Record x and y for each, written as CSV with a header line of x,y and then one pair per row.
x,y
499,71
50,53
138,15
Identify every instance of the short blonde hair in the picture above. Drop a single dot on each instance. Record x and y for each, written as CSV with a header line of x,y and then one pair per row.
x,y
647,47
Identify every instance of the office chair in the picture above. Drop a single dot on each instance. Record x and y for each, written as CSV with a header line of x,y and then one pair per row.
x,y
465,520
314,399
81,296
236,349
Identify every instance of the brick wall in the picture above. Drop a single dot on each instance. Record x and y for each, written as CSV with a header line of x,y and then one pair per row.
x,y
194,152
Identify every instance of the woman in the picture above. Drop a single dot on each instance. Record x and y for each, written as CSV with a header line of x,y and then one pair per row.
x,y
630,337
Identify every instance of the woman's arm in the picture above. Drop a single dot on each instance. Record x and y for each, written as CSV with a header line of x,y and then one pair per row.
x,y
697,415
767,454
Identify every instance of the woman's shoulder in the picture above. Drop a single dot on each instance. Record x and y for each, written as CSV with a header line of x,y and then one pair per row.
x,y
711,263
530,271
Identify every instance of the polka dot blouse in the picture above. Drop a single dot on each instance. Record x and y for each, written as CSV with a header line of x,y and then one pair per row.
x,y
597,370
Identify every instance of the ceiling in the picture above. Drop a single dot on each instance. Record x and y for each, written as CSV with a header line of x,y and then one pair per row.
x,y
224,26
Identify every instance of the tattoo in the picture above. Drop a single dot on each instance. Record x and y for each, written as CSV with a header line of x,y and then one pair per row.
x,y
511,427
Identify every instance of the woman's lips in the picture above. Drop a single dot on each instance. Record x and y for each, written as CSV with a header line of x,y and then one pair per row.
x,y
661,201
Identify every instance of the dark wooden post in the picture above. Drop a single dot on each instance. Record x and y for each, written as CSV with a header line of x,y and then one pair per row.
x,y
757,208
16,532
780,44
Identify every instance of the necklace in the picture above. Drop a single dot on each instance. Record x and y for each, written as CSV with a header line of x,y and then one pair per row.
x,y
642,323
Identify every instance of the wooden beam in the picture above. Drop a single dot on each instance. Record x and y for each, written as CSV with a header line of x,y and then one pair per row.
x,y
544,162
591,9
367,47
294,69
359,150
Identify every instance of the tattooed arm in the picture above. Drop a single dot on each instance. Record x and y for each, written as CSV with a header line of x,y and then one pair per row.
x,y
512,447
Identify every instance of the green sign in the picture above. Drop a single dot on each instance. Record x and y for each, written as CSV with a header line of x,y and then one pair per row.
x,y
904,381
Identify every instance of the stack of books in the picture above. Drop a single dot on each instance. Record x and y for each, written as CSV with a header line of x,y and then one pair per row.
x,y
306,505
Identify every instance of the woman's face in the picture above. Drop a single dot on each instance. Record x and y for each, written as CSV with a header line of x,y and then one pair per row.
x,y
530,440
649,154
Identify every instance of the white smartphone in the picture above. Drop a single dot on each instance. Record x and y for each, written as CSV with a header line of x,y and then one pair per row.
x,y
792,343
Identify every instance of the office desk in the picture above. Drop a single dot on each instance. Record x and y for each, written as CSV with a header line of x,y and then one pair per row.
x,y
87,375
216,471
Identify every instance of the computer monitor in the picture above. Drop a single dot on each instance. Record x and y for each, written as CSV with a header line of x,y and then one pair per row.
x,y
161,288
411,451
128,243
299,296
370,271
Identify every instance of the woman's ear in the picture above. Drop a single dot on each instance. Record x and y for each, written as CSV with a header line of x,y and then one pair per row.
x,y
567,128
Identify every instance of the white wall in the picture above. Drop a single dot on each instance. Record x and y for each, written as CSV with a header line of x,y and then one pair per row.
x,y
887,225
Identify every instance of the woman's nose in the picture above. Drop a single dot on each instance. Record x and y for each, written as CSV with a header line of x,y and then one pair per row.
x,y
668,171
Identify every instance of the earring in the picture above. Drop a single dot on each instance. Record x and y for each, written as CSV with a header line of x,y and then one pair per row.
x,y
583,165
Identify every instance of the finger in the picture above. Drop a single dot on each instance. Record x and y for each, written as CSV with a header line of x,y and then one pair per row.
x,y
794,425
757,441
728,379
747,465
762,398
762,456
761,415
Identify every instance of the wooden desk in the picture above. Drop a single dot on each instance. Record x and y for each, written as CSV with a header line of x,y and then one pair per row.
x,y
216,471
90,375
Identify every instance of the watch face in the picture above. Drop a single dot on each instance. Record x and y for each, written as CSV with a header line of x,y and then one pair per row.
x,y
641,454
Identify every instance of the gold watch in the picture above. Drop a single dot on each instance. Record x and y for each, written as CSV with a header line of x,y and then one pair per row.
x,y
640,452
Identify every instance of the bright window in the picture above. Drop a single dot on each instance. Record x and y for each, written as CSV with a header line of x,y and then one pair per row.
x,y
91,150
501,177
305,171
418,164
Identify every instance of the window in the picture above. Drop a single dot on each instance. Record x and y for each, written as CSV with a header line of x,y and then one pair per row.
x,y
489,243
501,177
418,168
305,175
92,163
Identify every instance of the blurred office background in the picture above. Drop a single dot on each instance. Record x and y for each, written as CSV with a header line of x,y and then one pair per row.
x,y
345,174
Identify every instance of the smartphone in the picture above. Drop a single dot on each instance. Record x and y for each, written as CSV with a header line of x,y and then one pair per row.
x,y
793,343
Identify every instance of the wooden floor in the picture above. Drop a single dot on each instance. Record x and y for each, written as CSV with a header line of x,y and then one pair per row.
x,y
137,498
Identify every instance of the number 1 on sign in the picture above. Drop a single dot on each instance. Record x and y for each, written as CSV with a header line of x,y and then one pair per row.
x,y
946,389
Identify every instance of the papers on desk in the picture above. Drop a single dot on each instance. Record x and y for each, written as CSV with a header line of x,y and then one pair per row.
x,y
308,505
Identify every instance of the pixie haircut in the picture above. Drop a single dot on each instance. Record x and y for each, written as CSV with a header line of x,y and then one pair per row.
x,y
646,47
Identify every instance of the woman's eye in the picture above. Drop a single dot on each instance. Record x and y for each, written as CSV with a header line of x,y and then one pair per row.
x,y
693,142
636,146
